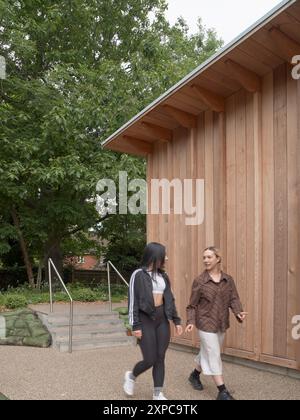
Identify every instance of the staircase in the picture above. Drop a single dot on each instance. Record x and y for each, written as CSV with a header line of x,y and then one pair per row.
x,y
90,330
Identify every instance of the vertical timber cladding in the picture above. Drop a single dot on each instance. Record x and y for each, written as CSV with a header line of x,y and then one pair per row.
x,y
297,277
297,224
198,153
259,235
241,173
281,209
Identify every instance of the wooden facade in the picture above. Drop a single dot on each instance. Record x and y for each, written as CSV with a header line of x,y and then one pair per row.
x,y
236,124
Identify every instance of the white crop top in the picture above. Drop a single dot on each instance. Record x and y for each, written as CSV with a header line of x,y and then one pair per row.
x,y
158,282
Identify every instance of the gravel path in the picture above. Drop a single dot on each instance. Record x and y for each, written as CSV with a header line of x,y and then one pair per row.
x,y
44,374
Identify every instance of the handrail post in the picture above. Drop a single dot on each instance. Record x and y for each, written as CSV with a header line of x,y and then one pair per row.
x,y
50,286
120,275
71,328
50,262
109,288
108,264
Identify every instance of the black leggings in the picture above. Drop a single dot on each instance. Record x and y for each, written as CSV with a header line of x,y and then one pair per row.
x,y
154,344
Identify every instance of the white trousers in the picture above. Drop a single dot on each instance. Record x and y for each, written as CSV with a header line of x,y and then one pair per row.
x,y
209,357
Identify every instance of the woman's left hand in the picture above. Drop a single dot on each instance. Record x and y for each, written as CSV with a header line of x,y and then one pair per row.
x,y
179,330
242,316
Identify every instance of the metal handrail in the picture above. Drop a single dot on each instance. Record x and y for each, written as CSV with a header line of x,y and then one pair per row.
x,y
109,263
51,263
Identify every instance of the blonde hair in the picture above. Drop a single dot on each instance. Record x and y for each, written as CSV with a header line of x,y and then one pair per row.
x,y
215,250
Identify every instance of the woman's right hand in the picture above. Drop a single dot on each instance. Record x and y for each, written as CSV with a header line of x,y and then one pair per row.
x,y
189,328
137,334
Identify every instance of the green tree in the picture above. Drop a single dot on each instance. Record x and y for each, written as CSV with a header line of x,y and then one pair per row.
x,y
126,240
77,70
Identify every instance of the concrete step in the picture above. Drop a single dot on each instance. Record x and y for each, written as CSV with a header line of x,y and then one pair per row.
x,y
91,336
103,322
95,344
81,320
95,335
88,329
82,317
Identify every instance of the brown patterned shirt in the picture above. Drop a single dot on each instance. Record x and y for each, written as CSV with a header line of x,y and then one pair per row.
x,y
210,303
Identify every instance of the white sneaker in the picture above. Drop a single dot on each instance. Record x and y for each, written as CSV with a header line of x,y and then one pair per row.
x,y
128,384
159,397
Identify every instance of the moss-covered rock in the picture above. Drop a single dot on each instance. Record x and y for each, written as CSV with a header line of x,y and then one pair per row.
x,y
23,328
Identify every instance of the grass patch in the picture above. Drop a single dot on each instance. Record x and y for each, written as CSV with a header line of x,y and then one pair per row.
x,y
3,397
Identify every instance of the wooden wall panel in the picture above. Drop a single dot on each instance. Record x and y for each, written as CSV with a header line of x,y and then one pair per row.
x,y
268,215
217,179
281,212
281,209
231,201
241,208
194,254
293,173
209,180
249,158
171,224
221,152
201,240
149,177
297,224
240,217
250,223
258,175
201,175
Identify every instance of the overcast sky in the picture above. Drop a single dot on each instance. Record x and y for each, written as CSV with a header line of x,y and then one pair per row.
x,y
229,17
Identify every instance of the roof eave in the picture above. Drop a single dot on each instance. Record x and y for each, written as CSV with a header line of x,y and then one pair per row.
x,y
214,58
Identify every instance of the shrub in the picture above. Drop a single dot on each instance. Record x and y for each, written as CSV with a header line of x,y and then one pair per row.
x,y
24,295
61,297
36,298
85,295
14,301
117,298
122,311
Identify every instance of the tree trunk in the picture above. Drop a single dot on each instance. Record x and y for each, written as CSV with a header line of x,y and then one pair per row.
x,y
39,276
24,248
53,251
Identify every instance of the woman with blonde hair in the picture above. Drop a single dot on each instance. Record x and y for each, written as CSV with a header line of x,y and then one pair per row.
x,y
213,294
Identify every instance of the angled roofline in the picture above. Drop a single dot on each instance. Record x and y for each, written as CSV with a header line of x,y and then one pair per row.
x,y
219,54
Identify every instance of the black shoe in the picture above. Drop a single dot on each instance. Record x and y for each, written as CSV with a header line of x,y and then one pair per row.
x,y
225,396
195,382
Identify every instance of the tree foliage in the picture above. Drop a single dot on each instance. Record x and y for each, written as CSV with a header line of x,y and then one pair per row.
x,y
77,70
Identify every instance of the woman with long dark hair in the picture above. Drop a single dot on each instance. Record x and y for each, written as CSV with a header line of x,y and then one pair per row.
x,y
151,307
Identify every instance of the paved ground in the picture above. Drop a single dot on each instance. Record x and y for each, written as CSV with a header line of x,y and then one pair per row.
x,y
44,374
